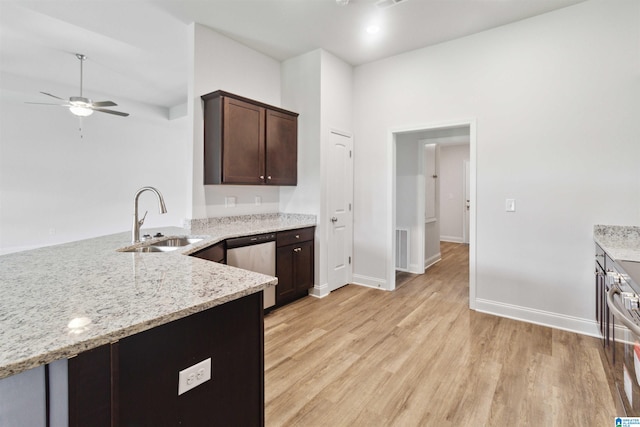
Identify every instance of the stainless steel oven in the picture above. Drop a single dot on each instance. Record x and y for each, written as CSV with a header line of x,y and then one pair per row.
x,y
623,303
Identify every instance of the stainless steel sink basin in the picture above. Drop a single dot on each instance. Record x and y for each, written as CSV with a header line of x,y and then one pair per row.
x,y
167,245
153,248
177,241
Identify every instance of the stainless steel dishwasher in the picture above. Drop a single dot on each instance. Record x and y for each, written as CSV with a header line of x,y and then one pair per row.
x,y
255,253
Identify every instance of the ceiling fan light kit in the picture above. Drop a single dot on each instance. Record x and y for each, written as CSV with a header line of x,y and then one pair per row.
x,y
81,106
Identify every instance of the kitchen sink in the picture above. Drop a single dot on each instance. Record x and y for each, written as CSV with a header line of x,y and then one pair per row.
x,y
167,245
177,241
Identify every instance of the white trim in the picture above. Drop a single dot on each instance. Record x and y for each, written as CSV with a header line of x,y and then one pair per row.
x,y
451,239
539,317
391,196
370,282
432,260
415,269
319,291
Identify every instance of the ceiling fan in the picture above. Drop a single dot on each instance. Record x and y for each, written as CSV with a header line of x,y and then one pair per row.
x,y
81,106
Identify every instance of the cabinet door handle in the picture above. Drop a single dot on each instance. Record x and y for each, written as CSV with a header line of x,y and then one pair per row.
x,y
261,176
297,249
269,177
334,219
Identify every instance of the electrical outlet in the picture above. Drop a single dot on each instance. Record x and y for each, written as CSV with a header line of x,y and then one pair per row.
x,y
193,376
230,202
257,200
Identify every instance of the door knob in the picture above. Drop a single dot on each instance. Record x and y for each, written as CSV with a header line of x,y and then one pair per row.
x,y
334,219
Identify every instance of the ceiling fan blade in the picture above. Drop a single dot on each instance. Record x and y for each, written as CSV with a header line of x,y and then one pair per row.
x,y
117,113
53,96
47,103
104,104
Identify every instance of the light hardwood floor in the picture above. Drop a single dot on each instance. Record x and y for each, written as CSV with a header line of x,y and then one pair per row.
x,y
419,357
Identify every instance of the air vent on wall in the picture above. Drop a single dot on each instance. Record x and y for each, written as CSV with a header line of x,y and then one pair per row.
x,y
402,249
384,4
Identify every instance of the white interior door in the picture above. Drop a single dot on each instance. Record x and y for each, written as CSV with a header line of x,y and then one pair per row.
x,y
339,206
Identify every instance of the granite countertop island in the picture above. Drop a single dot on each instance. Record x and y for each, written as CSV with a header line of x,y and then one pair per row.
x,y
622,243
61,300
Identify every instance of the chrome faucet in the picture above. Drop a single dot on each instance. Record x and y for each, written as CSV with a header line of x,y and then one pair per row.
x,y
135,233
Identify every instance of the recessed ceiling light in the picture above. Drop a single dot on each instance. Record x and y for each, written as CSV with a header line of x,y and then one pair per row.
x,y
342,2
373,29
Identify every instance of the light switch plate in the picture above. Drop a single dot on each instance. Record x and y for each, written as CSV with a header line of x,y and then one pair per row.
x,y
193,376
511,205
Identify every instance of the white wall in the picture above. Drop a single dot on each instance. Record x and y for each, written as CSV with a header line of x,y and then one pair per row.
x,y
556,99
319,86
56,187
219,63
409,180
452,201
301,81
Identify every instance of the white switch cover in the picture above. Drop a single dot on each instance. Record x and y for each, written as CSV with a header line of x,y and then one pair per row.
x,y
230,202
193,376
258,200
511,205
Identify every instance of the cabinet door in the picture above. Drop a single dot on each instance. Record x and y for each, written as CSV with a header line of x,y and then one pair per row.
x,y
303,267
243,142
286,288
282,148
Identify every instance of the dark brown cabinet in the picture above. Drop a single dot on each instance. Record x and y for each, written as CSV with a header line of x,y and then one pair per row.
x,y
134,381
248,142
294,264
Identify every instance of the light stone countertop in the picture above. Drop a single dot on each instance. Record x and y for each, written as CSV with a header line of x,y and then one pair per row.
x,y
622,243
111,294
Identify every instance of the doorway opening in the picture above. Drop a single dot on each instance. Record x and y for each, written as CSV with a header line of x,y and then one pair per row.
x,y
417,156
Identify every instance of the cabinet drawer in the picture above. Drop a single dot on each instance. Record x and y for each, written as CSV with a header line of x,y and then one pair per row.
x,y
291,237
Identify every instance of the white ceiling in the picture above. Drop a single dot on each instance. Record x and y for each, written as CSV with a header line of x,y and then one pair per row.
x,y
137,49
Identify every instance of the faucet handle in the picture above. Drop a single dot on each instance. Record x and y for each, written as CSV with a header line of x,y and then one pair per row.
x,y
141,221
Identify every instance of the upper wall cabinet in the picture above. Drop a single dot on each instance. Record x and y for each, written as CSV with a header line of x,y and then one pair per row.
x,y
248,142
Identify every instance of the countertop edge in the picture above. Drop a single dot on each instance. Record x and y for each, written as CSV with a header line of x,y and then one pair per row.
x,y
41,355
77,348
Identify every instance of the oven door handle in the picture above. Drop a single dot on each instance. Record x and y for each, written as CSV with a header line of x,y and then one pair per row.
x,y
616,312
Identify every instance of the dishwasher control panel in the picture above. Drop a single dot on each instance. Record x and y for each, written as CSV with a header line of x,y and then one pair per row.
x,y
250,240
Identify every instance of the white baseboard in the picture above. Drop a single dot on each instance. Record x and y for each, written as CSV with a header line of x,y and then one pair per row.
x,y
320,291
539,317
432,260
452,239
370,282
413,268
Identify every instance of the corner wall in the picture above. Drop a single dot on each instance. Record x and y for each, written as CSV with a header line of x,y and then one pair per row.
x,y
317,85
556,99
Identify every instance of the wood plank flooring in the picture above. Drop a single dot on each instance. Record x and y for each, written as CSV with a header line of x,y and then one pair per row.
x,y
419,357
